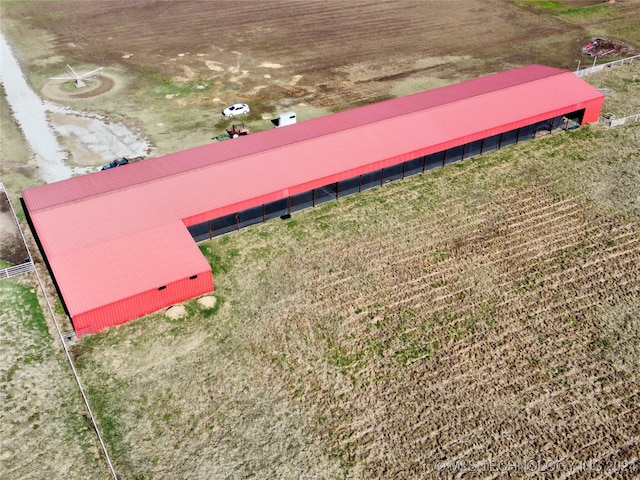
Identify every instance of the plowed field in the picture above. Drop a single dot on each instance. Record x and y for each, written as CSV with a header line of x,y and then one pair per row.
x,y
476,321
314,56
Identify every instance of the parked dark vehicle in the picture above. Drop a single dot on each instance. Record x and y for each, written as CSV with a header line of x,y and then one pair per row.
x,y
116,163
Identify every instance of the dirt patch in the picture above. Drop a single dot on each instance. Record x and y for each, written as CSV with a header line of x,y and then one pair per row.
x,y
96,86
195,41
12,248
208,301
606,48
176,312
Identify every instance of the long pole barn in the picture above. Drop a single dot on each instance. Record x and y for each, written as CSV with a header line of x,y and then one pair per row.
x,y
121,243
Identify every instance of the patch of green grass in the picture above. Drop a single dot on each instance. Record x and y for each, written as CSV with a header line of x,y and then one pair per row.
x,y
8,376
82,350
162,86
549,5
58,308
418,344
34,358
25,306
220,259
416,351
70,86
584,11
622,84
208,312
108,416
599,344
563,7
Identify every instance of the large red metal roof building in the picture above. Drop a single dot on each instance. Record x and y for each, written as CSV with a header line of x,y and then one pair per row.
x,y
120,243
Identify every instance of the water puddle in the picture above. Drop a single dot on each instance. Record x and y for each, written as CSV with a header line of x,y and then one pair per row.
x,y
88,139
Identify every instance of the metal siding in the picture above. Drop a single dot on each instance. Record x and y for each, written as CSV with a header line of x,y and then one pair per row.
x,y
92,227
103,273
142,304
234,185
150,170
593,108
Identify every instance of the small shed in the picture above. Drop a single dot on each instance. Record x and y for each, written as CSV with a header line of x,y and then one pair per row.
x,y
284,119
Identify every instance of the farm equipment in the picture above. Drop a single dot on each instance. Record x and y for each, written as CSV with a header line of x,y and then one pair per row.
x,y
79,78
233,132
603,47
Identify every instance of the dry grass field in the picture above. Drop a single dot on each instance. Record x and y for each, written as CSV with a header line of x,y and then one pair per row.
x,y
44,432
478,321
412,328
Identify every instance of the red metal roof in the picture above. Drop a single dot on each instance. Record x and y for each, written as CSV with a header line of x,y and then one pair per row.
x,y
131,220
207,155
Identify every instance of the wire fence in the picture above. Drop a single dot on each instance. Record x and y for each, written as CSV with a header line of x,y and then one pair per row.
x,y
62,337
611,121
27,265
17,269
599,68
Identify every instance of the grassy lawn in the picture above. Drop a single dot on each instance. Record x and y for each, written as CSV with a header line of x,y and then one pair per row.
x,y
622,87
41,405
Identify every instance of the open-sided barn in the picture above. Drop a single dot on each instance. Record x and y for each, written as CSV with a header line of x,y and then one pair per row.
x,y
120,243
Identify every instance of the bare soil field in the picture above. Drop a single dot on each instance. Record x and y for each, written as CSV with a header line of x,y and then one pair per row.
x,y
187,60
480,321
